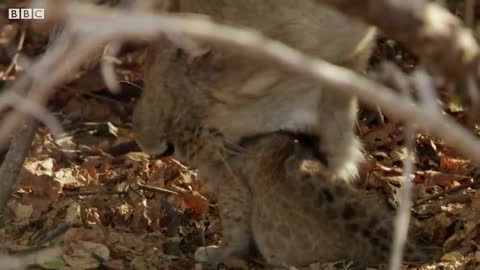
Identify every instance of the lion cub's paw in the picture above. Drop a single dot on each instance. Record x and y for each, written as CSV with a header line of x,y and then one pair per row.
x,y
209,254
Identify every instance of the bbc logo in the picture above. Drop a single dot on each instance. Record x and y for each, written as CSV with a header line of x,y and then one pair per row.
x,y
26,13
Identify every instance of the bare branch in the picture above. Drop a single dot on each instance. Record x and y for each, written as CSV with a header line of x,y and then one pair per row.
x,y
402,218
13,161
426,28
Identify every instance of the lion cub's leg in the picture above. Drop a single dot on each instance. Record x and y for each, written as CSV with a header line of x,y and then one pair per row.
x,y
234,202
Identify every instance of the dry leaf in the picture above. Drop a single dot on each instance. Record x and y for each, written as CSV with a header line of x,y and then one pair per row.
x,y
87,255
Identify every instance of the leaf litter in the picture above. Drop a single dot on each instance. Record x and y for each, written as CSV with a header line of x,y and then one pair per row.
x,y
131,211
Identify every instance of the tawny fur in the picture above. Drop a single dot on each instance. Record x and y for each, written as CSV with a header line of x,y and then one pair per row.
x,y
248,96
274,191
295,214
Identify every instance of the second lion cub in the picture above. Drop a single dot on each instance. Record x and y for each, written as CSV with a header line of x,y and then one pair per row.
x,y
294,222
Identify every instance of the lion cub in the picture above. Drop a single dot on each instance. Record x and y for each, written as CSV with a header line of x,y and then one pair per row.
x,y
269,144
247,96
291,221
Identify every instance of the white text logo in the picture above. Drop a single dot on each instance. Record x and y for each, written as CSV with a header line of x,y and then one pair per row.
x,y
26,13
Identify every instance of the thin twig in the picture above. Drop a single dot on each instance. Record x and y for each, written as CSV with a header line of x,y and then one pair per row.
x,y
402,218
158,189
93,193
14,61
475,184
13,161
